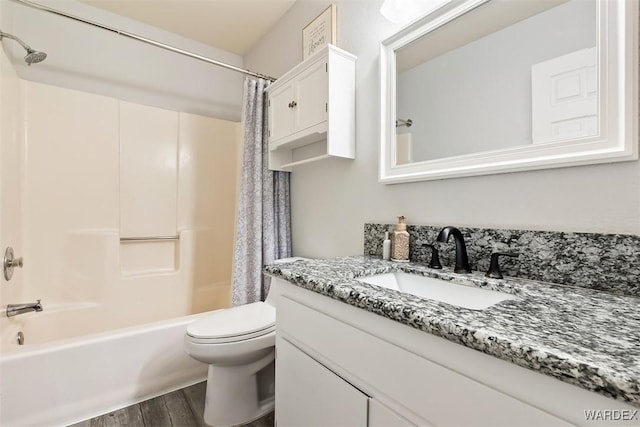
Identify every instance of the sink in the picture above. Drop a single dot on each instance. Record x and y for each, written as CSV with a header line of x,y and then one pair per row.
x,y
438,290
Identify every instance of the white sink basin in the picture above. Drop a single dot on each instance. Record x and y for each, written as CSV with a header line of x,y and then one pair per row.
x,y
439,290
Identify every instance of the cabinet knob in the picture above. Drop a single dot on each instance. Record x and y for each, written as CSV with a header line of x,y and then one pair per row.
x,y
292,104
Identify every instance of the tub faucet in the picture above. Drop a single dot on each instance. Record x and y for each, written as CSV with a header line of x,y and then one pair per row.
x,y
462,260
15,309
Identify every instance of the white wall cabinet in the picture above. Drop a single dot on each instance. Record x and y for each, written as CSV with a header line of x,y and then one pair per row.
x,y
408,377
312,110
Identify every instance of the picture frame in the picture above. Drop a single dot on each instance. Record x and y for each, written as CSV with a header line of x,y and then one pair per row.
x,y
319,32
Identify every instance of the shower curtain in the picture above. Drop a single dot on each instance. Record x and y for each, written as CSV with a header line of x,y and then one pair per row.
x,y
263,230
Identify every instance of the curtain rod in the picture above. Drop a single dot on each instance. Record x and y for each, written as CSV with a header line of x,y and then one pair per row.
x,y
145,40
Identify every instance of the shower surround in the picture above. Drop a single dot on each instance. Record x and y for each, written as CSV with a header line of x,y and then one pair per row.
x,y
97,170
80,172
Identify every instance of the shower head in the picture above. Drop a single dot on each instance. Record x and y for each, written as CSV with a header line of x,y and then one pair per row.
x,y
32,56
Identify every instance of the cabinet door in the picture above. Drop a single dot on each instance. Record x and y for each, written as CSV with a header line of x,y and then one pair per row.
x,y
281,112
311,96
308,394
381,416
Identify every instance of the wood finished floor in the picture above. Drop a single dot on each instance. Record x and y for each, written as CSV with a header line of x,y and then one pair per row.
x,y
181,408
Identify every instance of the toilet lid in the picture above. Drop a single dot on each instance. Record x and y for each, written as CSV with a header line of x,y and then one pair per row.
x,y
248,321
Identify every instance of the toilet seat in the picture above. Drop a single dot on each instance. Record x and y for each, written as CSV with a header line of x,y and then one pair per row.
x,y
234,324
229,340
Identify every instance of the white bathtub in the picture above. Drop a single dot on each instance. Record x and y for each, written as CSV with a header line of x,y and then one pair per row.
x,y
63,382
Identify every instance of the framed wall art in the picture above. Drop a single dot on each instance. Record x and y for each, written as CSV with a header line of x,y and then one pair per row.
x,y
320,32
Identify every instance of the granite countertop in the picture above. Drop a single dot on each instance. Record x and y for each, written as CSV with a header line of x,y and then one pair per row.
x,y
578,335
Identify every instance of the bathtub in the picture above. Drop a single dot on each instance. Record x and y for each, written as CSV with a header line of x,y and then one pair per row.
x,y
65,381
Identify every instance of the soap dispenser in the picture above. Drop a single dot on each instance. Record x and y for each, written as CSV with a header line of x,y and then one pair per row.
x,y
386,247
400,242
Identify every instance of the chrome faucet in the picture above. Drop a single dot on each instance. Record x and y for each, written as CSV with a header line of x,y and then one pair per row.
x,y
15,309
462,260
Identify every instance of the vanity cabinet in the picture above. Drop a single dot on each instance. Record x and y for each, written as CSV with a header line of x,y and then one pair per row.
x,y
312,110
341,365
313,395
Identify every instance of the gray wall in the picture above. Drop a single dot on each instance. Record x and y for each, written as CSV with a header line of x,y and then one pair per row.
x,y
478,97
332,199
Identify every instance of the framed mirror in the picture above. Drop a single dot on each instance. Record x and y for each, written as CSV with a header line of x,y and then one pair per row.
x,y
491,86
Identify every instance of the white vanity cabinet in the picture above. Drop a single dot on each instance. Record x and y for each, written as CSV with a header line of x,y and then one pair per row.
x,y
313,395
341,365
312,110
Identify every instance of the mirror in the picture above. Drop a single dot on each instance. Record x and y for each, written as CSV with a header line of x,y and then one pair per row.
x,y
480,87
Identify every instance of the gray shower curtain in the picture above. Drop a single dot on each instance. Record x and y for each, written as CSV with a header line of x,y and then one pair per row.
x,y
263,229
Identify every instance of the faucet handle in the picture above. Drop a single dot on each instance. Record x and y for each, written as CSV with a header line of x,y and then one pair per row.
x,y
435,256
9,262
494,268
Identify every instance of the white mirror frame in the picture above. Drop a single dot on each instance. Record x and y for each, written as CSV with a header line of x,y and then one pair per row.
x,y
618,105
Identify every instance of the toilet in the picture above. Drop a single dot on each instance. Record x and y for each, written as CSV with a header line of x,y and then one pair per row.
x,y
238,344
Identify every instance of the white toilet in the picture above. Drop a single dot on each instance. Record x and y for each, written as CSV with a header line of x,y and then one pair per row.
x,y
238,344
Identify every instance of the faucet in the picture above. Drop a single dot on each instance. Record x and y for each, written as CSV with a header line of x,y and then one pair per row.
x,y
15,309
462,260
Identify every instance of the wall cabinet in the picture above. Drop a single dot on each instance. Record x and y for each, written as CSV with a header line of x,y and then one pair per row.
x,y
299,104
332,355
312,110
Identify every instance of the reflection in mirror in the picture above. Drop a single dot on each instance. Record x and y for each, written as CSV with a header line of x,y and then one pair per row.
x,y
531,79
494,86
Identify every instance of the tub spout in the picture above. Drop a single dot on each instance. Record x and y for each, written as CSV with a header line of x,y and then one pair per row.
x,y
15,309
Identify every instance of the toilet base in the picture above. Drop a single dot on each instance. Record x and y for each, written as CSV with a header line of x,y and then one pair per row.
x,y
232,395
266,407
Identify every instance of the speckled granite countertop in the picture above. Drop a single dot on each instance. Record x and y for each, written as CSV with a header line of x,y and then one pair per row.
x,y
580,336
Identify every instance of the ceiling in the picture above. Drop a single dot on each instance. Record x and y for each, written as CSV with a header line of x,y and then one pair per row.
x,y
232,25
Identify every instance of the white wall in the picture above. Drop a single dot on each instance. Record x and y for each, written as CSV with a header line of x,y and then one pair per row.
x,y
332,199
93,60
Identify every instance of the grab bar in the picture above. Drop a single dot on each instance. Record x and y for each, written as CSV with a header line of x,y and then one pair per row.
x,y
146,239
